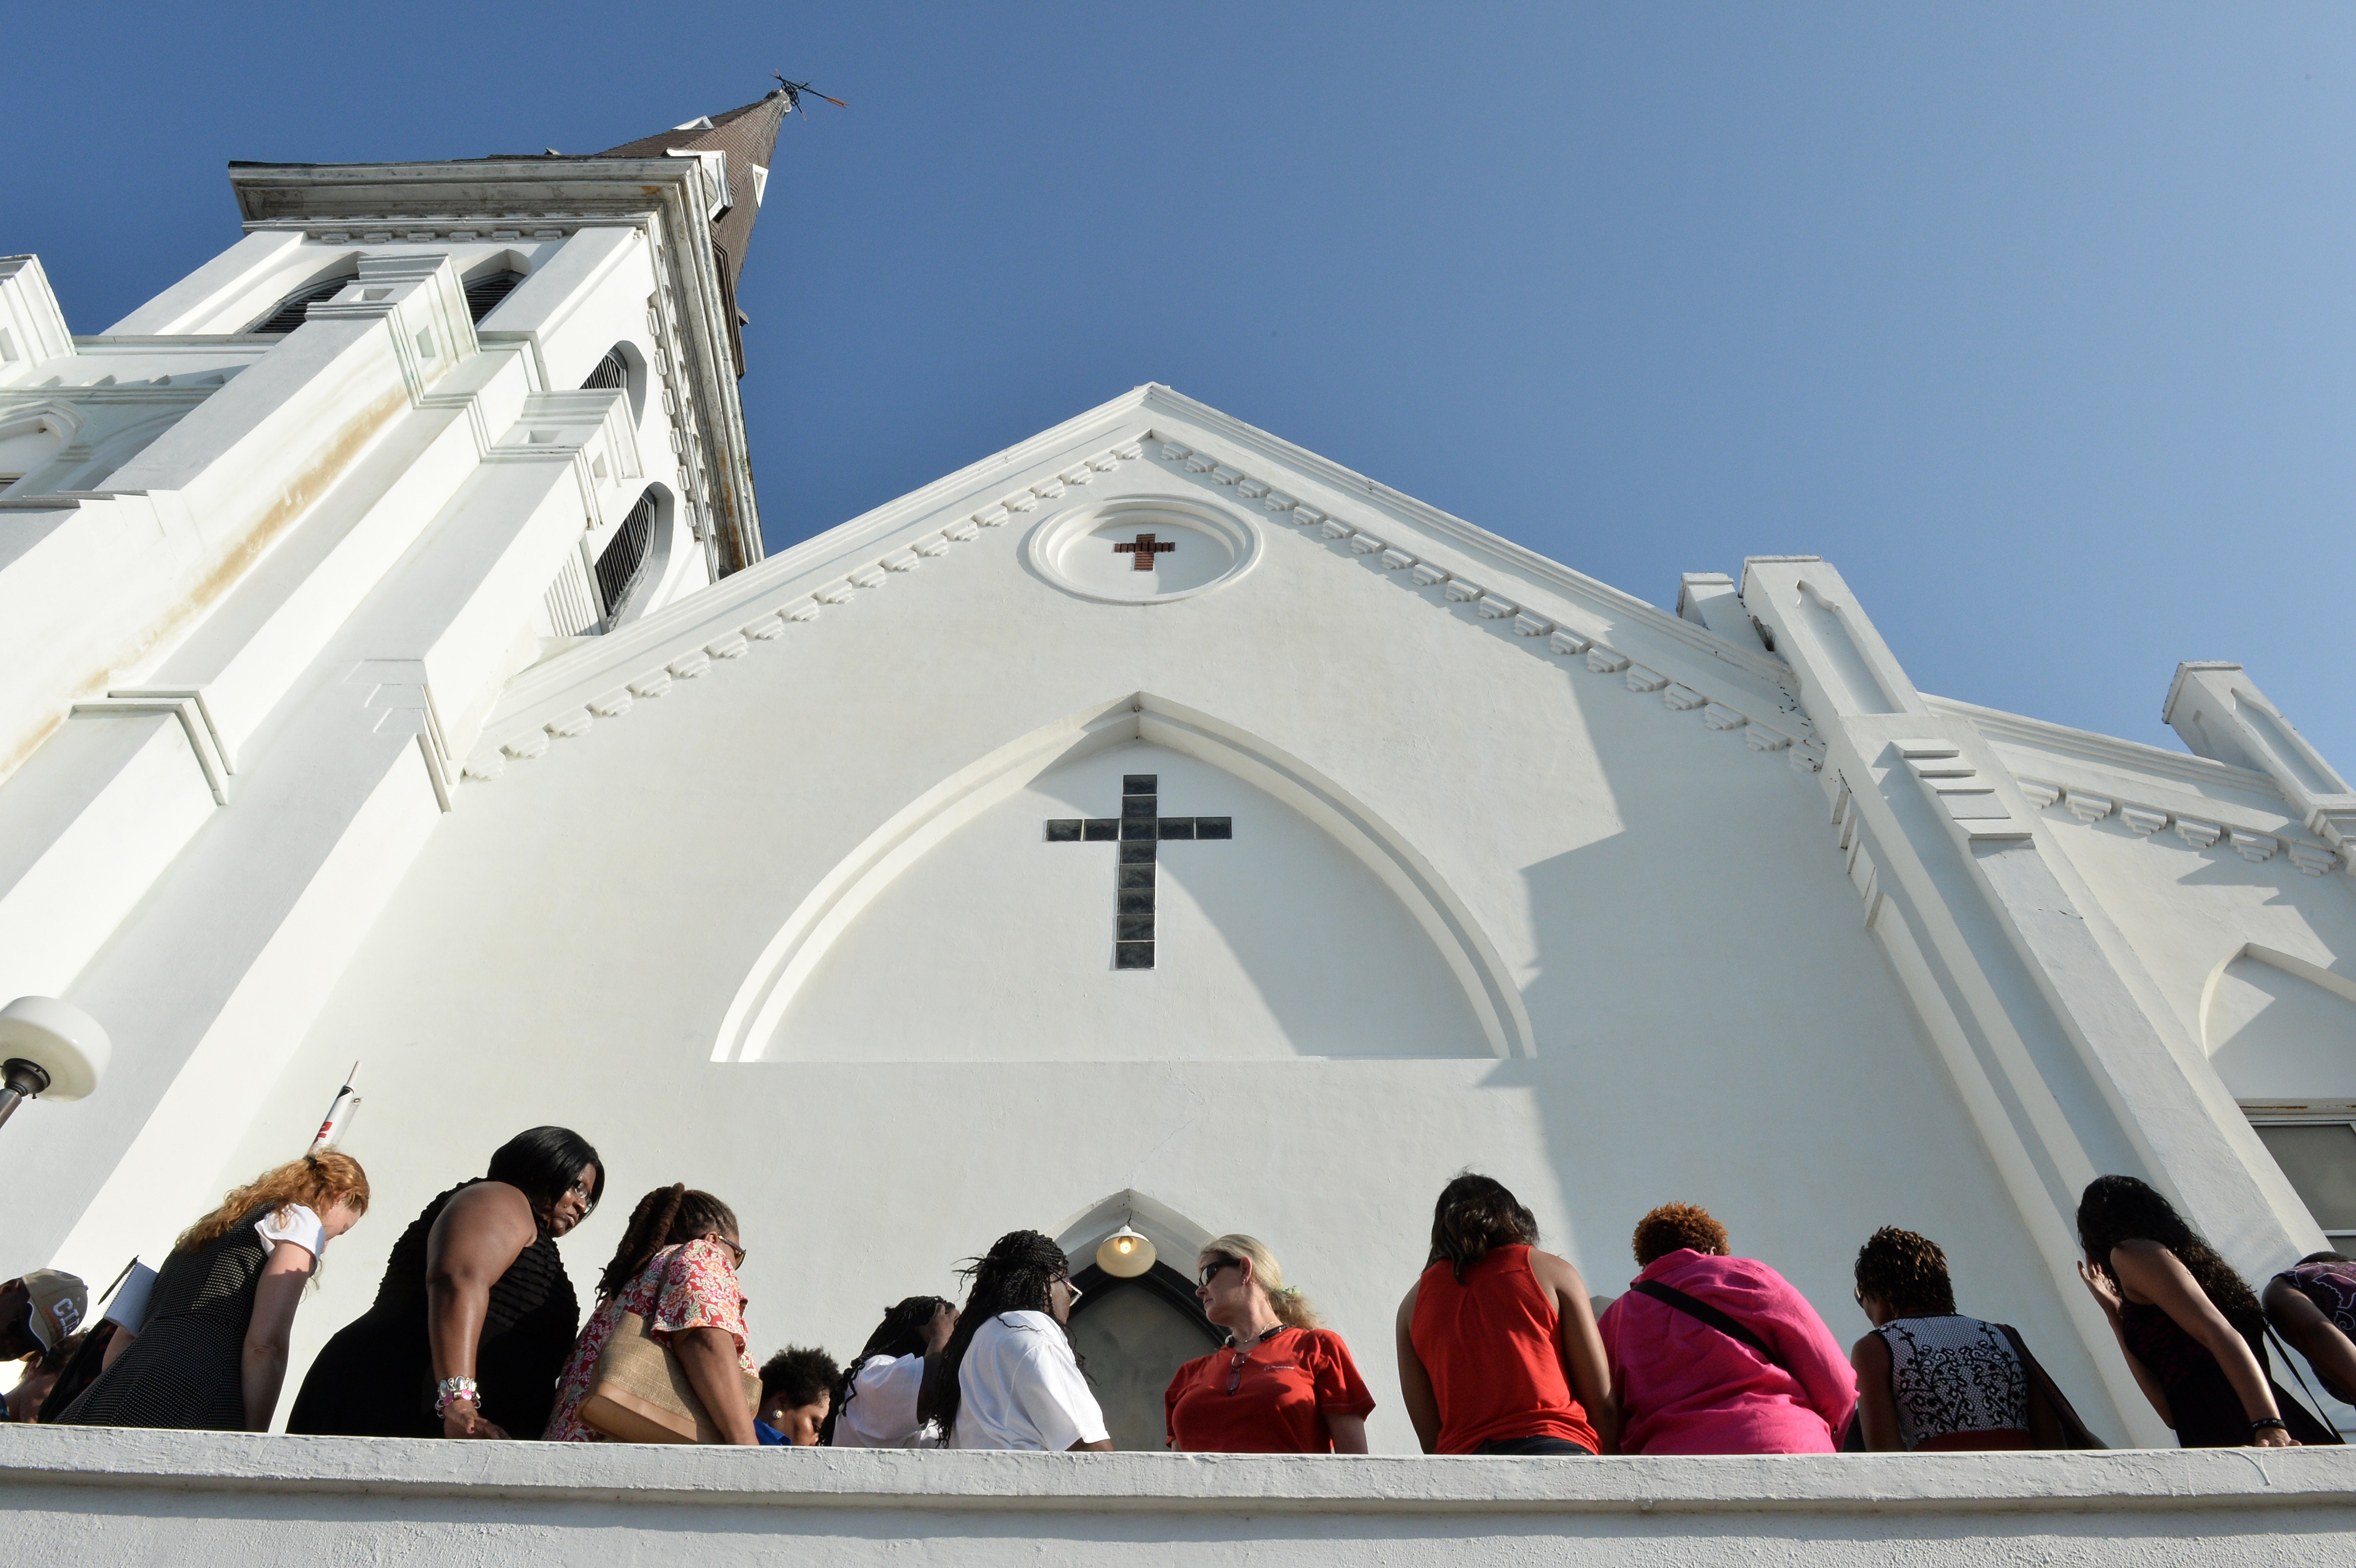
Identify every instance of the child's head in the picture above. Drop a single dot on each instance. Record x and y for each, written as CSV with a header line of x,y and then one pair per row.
x,y
797,1391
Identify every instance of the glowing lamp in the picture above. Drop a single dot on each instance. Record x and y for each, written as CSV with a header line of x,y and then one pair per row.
x,y
1125,1254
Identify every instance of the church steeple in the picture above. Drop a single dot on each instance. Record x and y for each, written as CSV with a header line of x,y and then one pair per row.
x,y
745,139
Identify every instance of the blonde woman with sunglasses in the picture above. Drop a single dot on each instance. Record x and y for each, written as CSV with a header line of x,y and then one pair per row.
x,y
1283,1384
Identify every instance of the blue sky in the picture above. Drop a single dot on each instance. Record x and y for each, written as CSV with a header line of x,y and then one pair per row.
x,y
2036,320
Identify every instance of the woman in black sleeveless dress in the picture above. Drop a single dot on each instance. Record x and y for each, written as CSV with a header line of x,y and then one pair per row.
x,y
475,1315
2192,1331
212,1352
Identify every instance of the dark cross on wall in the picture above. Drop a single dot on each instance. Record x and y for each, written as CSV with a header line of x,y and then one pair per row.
x,y
1140,827
1143,550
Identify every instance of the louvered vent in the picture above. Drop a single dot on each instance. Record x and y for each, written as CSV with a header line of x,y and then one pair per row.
x,y
484,294
290,311
624,560
612,374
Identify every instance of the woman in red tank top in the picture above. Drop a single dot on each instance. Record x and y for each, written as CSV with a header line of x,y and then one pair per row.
x,y
1497,1347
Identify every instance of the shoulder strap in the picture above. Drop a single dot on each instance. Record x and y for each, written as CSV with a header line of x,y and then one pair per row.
x,y
2074,1432
2284,1350
1702,1311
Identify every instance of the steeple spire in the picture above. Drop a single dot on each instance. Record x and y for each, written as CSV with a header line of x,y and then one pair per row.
x,y
746,139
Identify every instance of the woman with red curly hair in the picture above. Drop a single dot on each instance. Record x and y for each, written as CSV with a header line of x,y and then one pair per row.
x,y
1713,1354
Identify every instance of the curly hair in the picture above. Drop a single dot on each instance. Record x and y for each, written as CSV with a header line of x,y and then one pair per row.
x,y
668,1215
1675,1226
803,1375
2116,1208
1474,1213
317,1181
1291,1308
1014,1275
1907,1272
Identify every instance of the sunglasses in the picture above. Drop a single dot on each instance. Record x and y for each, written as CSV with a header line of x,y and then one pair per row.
x,y
736,1250
1211,1271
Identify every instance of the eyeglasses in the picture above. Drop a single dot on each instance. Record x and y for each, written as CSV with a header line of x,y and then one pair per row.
x,y
1072,1290
1211,1271
734,1250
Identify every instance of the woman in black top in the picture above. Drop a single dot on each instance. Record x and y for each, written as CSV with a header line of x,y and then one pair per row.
x,y
212,1353
474,1316
2193,1334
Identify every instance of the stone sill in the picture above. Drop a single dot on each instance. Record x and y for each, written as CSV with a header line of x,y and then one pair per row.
x,y
2126,1481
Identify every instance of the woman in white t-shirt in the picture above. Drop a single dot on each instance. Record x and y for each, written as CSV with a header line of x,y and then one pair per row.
x,y
875,1403
1008,1377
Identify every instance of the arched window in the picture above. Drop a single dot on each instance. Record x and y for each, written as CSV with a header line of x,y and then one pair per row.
x,y
623,562
484,294
612,372
289,312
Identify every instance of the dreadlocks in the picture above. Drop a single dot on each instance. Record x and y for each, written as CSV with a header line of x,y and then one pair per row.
x,y
1012,1276
902,1332
667,1214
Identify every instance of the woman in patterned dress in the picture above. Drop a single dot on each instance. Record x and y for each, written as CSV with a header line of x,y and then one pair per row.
x,y
212,1352
677,1269
1930,1379
2313,1306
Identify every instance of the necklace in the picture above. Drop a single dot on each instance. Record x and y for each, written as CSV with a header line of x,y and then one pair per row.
x,y
1243,1354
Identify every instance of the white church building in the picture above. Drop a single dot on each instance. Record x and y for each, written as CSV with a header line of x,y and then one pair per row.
x,y
1151,823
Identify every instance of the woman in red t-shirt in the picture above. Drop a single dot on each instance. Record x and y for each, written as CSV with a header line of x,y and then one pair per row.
x,y
1281,1385
1497,1347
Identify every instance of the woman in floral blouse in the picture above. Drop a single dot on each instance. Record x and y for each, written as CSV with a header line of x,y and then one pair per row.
x,y
677,1269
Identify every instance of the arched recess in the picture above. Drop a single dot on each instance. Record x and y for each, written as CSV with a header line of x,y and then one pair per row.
x,y
2278,1028
630,563
293,307
758,1010
1136,1333
31,439
624,368
488,283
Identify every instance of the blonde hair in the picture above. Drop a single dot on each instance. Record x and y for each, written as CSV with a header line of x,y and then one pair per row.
x,y
317,1181
1290,1306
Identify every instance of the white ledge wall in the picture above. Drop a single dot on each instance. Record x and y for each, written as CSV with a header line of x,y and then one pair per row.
x,y
76,1496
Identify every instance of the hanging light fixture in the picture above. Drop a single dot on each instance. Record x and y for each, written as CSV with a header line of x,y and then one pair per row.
x,y
48,1048
1125,1254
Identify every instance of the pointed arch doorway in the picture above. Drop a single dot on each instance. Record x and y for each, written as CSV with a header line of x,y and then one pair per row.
x,y
1134,1335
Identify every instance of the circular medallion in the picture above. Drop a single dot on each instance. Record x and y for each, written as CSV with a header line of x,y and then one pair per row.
x,y
1148,550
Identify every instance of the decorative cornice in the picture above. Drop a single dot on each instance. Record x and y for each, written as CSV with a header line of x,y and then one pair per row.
x,y
2254,841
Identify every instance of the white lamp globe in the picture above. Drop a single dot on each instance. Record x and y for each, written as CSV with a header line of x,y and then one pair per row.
x,y
66,1044
1125,1254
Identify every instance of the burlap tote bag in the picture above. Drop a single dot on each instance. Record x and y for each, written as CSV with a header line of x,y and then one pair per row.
x,y
640,1392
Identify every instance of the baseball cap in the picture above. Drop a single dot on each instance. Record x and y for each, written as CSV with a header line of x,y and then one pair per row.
x,y
59,1302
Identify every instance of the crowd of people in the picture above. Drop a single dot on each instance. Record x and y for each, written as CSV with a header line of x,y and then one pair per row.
x,y
476,1331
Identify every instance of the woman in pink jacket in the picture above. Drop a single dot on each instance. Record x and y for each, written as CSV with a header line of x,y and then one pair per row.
x,y
1714,1354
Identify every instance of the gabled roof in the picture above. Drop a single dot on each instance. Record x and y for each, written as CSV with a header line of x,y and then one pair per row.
x,y
748,135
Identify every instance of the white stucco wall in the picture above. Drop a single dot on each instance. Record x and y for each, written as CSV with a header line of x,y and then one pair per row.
x,y
1710,1022
76,1498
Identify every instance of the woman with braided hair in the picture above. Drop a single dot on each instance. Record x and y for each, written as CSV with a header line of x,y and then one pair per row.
x,y
676,1268
1930,1379
875,1401
1009,1378
1284,1384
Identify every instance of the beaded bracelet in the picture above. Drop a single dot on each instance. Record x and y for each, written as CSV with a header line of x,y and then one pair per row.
x,y
2262,1423
450,1391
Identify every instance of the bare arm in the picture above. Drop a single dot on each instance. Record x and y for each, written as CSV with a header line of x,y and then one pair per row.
x,y
1349,1433
708,1356
1101,1446
477,1238
2315,1337
1877,1405
2105,1292
262,1367
116,1343
1581,1347
1415,1383
2148,1272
